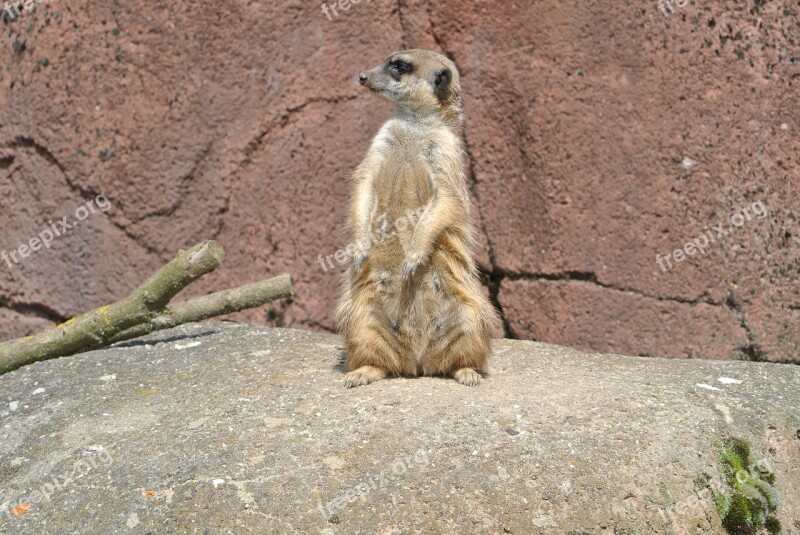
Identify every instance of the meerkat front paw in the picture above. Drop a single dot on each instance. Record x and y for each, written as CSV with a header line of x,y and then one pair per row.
x,y
359,251
412,263
467,377
363,376
359,261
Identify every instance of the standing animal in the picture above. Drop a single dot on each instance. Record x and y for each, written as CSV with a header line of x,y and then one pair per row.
x,y
411,302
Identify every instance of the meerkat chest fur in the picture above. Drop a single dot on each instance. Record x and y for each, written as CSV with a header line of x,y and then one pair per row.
x,y
413,160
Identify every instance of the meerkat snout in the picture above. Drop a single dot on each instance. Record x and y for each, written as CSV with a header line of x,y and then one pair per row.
x,y
363,79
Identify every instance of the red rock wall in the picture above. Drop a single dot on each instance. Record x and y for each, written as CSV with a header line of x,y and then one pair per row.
x,y
600,135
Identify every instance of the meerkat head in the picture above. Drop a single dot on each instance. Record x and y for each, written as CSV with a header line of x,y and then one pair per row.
x,y
417,80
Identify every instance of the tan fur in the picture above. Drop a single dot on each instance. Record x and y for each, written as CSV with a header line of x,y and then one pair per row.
x,y
411,304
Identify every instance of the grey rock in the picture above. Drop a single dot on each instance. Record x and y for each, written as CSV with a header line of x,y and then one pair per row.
x,y
230,428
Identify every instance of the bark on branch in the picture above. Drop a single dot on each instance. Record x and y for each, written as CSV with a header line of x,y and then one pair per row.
x,y
144,310
208,306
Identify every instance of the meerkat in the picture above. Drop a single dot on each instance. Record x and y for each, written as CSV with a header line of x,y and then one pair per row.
x,y
411,302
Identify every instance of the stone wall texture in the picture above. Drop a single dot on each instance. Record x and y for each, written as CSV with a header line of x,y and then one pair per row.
x,y
601,134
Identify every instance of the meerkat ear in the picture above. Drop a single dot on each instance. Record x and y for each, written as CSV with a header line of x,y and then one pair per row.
x,y
441,86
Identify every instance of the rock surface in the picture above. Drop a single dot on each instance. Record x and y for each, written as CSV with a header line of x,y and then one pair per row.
x,y
229,428
600,134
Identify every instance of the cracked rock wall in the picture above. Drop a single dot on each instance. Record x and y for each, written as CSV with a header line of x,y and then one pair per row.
x,y
600,135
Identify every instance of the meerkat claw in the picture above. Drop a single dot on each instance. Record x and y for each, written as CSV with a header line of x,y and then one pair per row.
x,y
363,376
359,262
467,377
410,268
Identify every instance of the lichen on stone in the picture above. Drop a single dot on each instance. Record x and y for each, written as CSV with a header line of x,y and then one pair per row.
x,y
748,500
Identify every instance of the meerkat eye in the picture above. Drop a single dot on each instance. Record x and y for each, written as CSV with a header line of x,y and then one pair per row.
x,y
399,67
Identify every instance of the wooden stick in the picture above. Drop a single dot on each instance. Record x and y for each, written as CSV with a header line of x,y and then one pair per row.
x,y
251,295
98,327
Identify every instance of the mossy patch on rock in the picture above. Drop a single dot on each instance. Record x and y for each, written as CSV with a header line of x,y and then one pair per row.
x,y
747,503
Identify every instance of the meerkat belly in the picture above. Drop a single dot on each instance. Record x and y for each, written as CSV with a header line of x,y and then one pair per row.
x,y
418,307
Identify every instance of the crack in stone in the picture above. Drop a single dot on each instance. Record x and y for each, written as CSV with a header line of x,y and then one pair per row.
x,y
44,152
319,325
35,310
399,10
591,277
317,100
6,161
252,146
492,281
182,186
752,350
282,120
434,35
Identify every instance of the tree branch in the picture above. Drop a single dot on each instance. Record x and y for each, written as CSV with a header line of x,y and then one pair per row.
x,y
98,327
225,302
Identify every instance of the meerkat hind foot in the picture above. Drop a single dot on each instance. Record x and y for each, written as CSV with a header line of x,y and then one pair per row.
x,y
364,376
467,376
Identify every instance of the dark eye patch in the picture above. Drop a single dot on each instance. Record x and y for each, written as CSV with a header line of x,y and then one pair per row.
x,y
398,67
441,85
